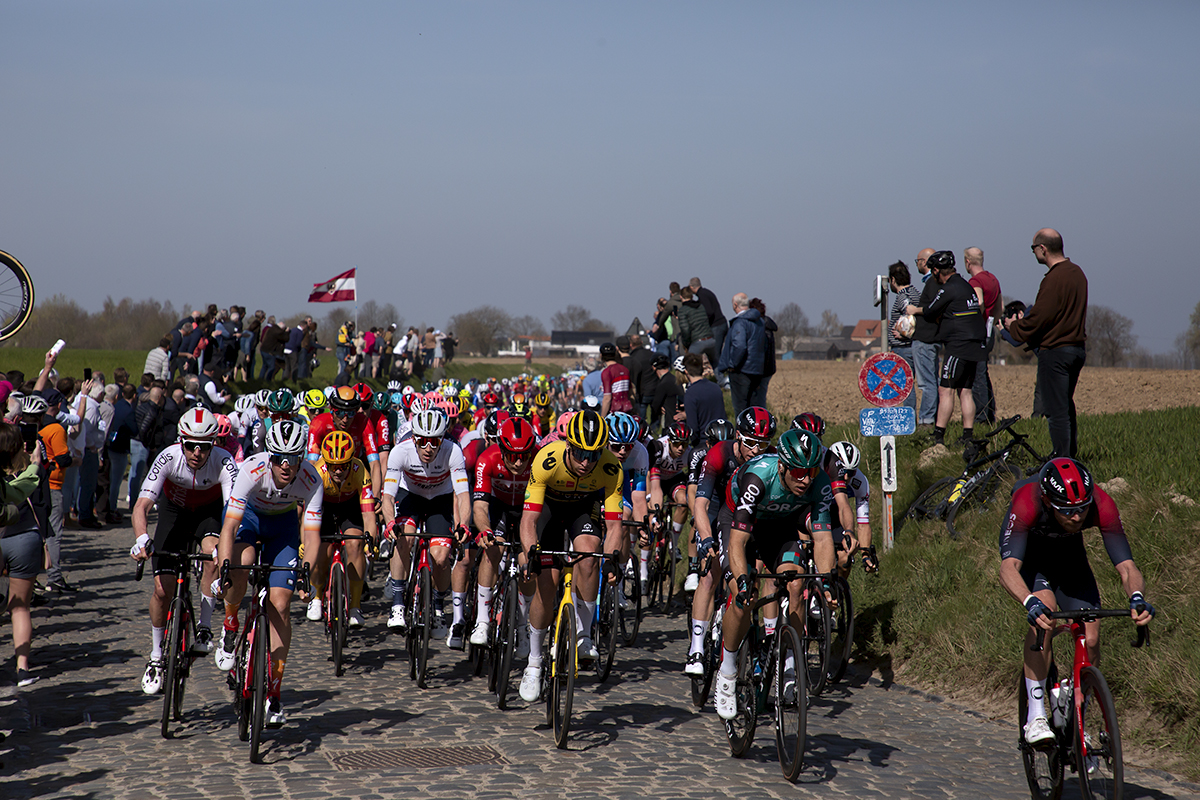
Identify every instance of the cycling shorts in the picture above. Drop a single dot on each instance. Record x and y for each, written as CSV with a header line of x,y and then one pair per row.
x,y
436,512
957,373
178,528
279,537
560,523
1062,568
341,517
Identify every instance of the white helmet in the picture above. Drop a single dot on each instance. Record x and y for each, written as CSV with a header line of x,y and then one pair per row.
x,y
394,386
431,422
847,454
197,423
34,404
261,397
244,403
287,438
678,365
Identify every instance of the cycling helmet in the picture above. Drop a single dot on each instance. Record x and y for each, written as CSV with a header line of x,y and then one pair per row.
x,y
847,454
680,432
224,427
281,402
382,401
520,408
430,423
408,389
564,419
541,400
197,423
243,403
329,391
942,259
34,404
808,421
518,436
587,430
428,387
622,428
261,397
364,394
1066,483
337,447
678,365
491,399
420,403
344,399
718,431
591,402
464,404
493,421
799,449
315,400
287,438
395,386
756,422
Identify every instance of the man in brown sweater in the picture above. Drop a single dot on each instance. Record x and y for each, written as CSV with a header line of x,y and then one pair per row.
x,y
1056,325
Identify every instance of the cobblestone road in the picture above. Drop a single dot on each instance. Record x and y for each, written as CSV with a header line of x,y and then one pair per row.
x,y
86,730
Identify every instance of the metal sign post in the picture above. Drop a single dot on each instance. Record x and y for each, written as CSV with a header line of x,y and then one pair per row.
x,y
886,380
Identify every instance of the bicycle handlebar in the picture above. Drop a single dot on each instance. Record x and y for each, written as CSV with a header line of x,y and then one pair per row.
x,y
141,565
1091,615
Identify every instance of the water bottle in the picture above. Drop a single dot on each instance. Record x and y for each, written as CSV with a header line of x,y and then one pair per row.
x,y
1060,696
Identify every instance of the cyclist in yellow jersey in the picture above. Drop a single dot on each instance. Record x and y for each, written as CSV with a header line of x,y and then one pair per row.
x,y
571,484
543,413
349,508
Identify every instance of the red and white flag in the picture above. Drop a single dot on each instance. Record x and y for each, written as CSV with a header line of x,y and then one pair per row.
x,y
338,289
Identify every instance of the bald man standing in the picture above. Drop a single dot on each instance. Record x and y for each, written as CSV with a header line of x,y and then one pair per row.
x,y
1056,324
987,289
925,346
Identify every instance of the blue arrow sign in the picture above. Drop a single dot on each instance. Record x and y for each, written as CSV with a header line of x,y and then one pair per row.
x,y
895,421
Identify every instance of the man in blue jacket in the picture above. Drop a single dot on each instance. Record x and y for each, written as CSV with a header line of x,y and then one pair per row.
x,y
743,356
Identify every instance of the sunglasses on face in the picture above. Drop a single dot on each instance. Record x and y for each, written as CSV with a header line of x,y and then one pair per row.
x,y
427,441
802,473
344,414
1071,511
584,456
756,444
197,447
279,460
621,446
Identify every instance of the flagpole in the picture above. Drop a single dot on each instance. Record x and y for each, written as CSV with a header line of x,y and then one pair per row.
x,y
356,299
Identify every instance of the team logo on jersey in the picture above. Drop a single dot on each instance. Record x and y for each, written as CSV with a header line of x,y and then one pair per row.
x,y
749,496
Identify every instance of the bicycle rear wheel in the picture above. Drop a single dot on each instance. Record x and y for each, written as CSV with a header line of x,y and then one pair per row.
x,y
1098,753
258,700
977,495
933,503
337,615
505,644
425,577
1043,767
702,684
185,662
843,630
672,567
816,639
740,729
16,295
606,630
630,619
791,704
172,658
239,684
562,690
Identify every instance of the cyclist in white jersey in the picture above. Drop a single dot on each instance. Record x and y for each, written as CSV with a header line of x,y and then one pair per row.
x,y
852,493
190,481
668,479
426,481
272,491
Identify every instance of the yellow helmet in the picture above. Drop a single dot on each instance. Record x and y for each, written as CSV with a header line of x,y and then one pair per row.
x,y
587,430
337,447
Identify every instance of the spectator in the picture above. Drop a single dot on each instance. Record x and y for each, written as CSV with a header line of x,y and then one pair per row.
x,y
663,331
716,317
925,347
614,380
212,387
667,399
1056,325
181,353
638,360
987,289
592,384
158,360
24,478
345,346
428,343
385,353
703,401
145,447
53,435
119,440
293,349
90,440
271,348
247,341
743,361
107,409
695,335
900,281
449,344
368,349
760,396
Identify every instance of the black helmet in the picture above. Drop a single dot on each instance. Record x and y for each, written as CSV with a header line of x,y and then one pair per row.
x,y
718,431
608,350
942,259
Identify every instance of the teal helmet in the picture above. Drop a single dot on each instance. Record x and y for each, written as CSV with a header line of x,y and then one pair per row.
x,y
799,448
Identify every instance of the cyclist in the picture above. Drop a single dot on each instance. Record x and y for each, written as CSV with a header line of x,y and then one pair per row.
x,y
767,499
755,429
808,421
623,433
380,418
668,475
560,429
315,403
543,413
348,507
345,414
190,481
501,475
717,431
571,481
278,405
1044,565
426,483
275,504
852,494
227,438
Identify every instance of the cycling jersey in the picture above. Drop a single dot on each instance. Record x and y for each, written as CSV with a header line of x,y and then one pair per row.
x,y
695,464
171,478
446,473
493,479
381,424
357,485
1030,523
757,492
614,380
635,466
667,468
255,489
718,466
234,446
551,481
858,490
472,450
366,447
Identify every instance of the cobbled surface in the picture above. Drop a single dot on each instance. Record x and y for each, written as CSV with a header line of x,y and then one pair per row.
x,y
86,730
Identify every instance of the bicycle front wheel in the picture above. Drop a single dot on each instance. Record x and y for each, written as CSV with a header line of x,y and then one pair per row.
x,y
426,625
740,729
791,704
606,629
1043,766
258,700
1098,752
172,658
816,639
337,616
505,643
843,630
186,658
934,502
16,295
630,619
562,690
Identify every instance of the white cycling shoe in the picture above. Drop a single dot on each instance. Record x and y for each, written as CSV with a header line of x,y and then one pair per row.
x,y
726,697
1037,732
531,684
314,609
479,634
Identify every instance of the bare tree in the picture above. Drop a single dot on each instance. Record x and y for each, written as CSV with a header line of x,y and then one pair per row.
x,y
527,326
124,325
577,318
1110,336
1188,343
480,329
830,324
793,323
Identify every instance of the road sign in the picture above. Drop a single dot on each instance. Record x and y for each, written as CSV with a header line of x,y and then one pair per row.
x,y
899,421
887,461
885,380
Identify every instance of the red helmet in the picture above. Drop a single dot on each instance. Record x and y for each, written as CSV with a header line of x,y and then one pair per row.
x,y
808,421
491,399
364,394
492,422
756,422
680,432
1066,483
517,436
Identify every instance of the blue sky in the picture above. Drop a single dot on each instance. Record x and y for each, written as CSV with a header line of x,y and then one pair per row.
x,y
531,155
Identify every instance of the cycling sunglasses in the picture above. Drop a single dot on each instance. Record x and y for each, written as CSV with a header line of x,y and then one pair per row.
x,y
1070,511
195,446
583,456
344,414
280,460
756,444
624,447
427,441
802,473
